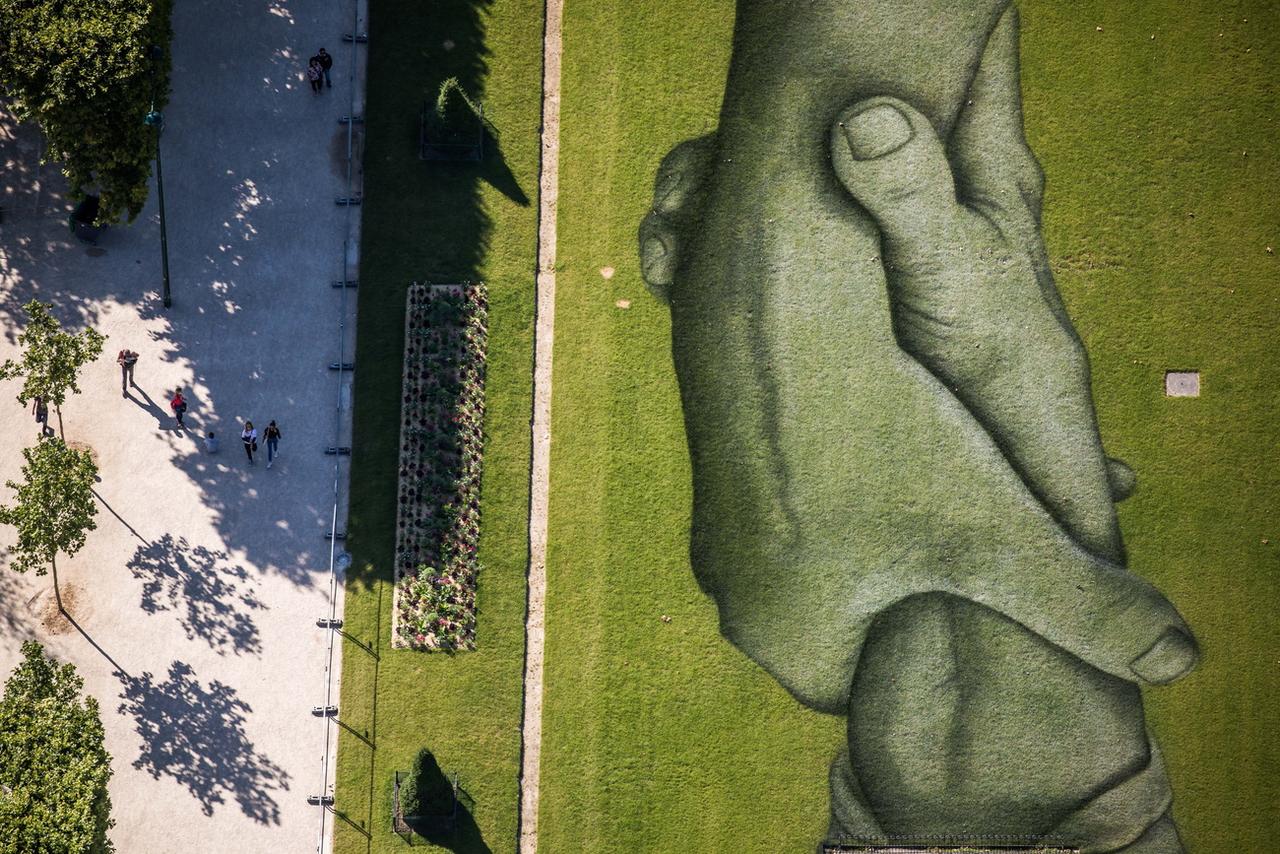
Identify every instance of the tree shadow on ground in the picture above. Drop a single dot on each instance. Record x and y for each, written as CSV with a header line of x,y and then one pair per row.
x,y
465,837
196,735
437,227
442,820
206,590
232,213
14,598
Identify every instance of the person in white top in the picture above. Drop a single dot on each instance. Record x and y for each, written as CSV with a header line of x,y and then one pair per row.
x,y
250,438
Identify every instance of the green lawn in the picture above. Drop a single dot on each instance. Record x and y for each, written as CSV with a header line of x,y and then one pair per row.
x,y
442,223
658,736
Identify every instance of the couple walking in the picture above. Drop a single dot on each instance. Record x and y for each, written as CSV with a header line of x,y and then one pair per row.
x,y
249,436
318,70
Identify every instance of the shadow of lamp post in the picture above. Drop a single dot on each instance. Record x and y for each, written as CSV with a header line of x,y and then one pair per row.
x,y
155,119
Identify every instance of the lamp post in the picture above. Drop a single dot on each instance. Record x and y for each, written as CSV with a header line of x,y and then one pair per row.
x,y
155,119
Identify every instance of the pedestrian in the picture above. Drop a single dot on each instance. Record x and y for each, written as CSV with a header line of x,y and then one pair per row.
x,y
326,62
250,438
41,409
126,360
314,74
178,404
272,437
211,444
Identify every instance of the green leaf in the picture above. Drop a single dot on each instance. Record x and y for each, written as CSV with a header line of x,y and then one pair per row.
x,y
55,505
54,767
51,358
83,70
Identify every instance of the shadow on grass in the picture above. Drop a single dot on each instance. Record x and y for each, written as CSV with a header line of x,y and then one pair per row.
x,y
440,813
426,221
422,220
463,838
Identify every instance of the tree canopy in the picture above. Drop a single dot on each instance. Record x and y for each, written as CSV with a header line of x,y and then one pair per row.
x,y
55,507
51,358
85,72
54,766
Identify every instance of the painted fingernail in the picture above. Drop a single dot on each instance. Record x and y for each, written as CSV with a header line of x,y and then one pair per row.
x,y
665,188
1169,659
876,132
653,250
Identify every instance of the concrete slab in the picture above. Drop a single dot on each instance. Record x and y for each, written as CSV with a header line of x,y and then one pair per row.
x,y
196,598
1182,384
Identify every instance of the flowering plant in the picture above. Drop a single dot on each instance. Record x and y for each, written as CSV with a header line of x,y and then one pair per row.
x,y
441,445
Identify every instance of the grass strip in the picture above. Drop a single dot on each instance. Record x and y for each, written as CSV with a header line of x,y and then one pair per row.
x,y
444,223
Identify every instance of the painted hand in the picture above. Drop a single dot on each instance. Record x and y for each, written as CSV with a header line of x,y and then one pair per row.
x,y
833,476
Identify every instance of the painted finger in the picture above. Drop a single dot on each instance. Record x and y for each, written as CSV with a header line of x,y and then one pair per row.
x,y
1102,613
682,178
1122,479
677,200
995,170
891,161
659,254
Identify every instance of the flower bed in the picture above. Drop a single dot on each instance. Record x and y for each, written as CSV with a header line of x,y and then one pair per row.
x,y
441,443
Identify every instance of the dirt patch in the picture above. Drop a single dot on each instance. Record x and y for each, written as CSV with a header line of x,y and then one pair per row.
x,y
52,620
84,447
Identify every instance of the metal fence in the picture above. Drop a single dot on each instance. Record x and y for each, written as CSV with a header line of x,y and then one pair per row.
x,y
338,561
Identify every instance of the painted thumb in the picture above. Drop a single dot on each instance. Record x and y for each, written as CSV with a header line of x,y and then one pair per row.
x,y
889,158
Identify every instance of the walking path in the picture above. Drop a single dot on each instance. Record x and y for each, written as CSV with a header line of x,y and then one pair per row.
x,y
544,334
196,598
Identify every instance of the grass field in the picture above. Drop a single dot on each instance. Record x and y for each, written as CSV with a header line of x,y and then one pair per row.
x,y
658,736
442,223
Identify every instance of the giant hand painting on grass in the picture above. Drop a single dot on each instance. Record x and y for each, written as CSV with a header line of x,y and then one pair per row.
x,y
902,507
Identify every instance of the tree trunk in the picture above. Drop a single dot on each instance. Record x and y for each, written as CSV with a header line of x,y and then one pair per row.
x,y
57,594
61,435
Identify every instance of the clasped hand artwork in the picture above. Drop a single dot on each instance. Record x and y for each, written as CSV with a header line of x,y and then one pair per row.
x,y
902,507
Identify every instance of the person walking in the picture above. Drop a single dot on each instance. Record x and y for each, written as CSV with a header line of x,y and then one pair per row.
x,y
326,62
250,438
41,410
211,445
178,404
314,74
272,437
126,360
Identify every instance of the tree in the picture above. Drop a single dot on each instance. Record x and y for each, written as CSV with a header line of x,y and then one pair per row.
x,y
54,767
55,507
84,70
51,358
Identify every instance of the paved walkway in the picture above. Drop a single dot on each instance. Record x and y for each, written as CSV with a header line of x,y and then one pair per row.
x,y
198,594
540,472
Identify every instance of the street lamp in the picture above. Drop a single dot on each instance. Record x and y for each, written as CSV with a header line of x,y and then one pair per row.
x,y
155,119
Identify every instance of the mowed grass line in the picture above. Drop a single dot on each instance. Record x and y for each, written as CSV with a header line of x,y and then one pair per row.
x,y
1158,223
441,223
659,736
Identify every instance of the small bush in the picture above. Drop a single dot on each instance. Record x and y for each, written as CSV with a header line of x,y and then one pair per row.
x,y
428,793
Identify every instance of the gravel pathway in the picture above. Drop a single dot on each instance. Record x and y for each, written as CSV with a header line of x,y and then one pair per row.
x,y
548,195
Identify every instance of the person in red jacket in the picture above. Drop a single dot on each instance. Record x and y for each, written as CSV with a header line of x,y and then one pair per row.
x,y
178,404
